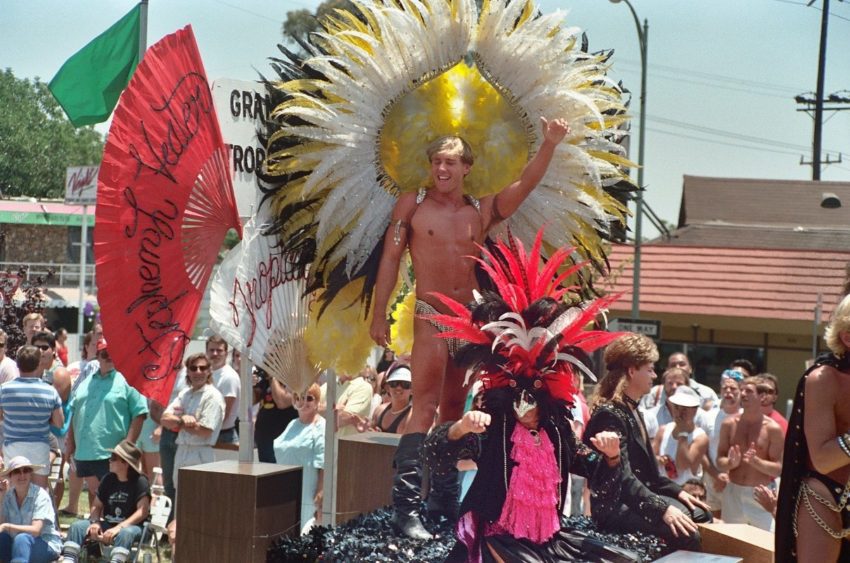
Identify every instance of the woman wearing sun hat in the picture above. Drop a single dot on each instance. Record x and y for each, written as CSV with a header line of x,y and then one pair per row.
x,y
122,504
29,531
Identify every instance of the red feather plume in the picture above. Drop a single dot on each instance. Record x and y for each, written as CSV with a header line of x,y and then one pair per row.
x,y
529,352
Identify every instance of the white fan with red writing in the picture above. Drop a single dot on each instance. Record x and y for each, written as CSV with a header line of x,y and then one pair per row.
x,y
258,306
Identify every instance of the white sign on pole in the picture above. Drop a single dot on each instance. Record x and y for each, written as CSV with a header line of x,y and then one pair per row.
x,y
242,109
650,328
81,185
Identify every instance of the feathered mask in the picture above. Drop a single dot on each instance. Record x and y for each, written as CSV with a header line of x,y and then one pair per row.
x,y
523,335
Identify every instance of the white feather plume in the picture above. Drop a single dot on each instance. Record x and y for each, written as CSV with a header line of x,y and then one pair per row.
x,y
259,308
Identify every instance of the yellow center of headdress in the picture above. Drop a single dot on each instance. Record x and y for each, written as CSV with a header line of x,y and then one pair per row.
x,y
460,101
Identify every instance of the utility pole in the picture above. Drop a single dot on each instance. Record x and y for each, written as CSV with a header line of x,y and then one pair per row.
x,y
815,105
816,143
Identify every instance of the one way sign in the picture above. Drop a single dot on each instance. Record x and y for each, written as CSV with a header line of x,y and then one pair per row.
x,y
649,328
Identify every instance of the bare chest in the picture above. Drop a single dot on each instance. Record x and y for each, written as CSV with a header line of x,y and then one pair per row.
x,y
445,225
746,433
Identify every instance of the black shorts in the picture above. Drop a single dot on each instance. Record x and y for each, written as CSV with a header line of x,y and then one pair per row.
x,y
92,468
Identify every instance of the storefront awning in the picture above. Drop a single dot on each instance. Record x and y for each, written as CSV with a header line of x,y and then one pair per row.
x,y
54,214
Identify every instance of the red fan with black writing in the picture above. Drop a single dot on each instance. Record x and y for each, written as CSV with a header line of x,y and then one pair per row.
x,y
164,204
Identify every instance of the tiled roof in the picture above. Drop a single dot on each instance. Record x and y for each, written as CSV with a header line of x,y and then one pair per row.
x,y
731,282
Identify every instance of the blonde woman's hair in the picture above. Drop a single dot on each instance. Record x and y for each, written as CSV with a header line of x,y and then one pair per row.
x,y
840,322
451,144
628,351
315,391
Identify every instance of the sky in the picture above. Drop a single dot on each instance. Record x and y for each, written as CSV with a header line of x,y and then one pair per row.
x,y
721,81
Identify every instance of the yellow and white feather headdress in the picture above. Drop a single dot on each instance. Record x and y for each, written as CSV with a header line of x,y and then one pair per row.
x,y
381,83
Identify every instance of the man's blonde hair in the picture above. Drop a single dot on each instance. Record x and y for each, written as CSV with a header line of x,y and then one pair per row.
x,y
451,144
840,322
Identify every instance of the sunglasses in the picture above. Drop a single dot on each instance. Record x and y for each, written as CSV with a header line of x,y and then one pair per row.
x,y
42,347
199,368
309,398
402,384
23,470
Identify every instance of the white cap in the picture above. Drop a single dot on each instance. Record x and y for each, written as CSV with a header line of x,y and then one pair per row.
x,y
685,397
401,373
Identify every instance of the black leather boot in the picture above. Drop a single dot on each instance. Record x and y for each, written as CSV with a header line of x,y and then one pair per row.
x,y
407,487
444,496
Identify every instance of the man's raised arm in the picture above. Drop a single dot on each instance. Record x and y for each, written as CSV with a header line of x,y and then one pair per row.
x,y
509,199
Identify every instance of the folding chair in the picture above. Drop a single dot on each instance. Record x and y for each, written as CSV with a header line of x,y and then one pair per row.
x,y
155,525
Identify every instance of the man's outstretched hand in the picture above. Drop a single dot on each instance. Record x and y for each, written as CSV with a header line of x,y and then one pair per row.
x,y
554,131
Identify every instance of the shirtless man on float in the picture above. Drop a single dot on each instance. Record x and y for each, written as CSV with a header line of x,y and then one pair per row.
x,y
753,444
441,227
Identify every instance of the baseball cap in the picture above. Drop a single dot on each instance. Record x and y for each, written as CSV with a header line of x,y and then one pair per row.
x,y
685,397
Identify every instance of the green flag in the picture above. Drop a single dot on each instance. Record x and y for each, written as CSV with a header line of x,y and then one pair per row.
x,y
89,83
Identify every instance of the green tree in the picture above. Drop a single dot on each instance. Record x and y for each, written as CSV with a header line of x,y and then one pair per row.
x,y
37,142
299,24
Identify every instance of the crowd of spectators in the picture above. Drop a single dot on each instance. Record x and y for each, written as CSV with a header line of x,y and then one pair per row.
x,y
692,447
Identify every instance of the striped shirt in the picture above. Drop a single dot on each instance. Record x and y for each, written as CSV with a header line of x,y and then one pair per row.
x,y
27,404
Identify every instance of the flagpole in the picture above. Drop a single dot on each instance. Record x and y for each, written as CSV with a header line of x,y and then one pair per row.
x,y
83,247
143,29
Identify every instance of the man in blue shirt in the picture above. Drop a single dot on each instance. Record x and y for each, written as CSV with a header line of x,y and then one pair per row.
x,y
28,406
105,410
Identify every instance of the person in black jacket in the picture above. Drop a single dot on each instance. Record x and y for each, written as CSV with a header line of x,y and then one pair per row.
x,y
652,503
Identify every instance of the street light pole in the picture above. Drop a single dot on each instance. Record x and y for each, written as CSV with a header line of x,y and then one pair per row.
x,y
643,34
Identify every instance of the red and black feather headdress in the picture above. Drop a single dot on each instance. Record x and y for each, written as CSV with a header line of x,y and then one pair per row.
x,y
523,334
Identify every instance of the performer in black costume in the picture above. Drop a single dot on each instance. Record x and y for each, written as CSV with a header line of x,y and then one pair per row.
x,y
813,512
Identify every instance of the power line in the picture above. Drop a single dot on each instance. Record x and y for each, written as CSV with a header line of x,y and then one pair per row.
x,y
679,80
806,5
719,142
679,71
729,134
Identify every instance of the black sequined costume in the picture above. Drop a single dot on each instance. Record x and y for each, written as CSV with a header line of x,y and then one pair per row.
x,y
646,498
486,497
795,467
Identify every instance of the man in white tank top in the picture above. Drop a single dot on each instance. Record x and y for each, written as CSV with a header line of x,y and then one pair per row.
x,y
680,445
